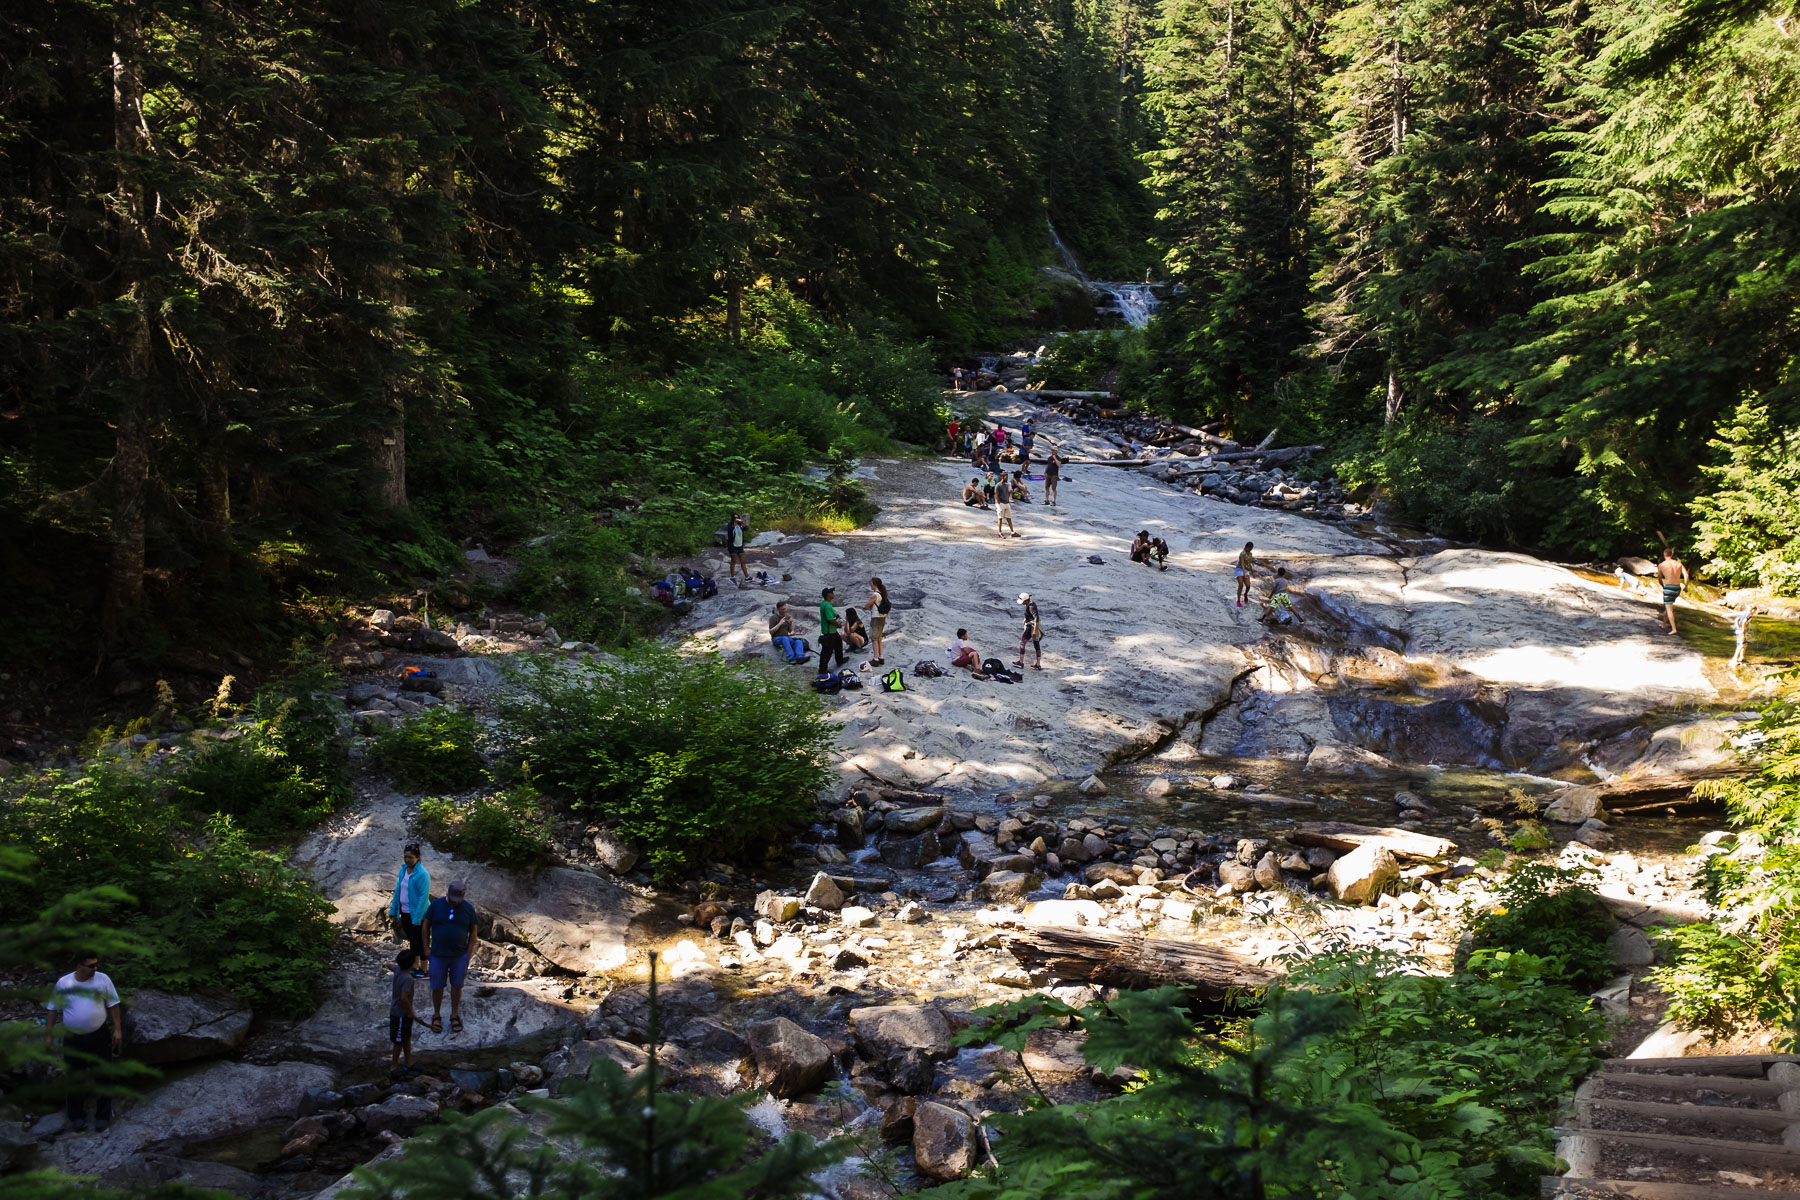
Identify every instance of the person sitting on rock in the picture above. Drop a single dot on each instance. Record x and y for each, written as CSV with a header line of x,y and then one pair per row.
x,y
856,634
781,633
1021,494
972,497
1280,606
964,655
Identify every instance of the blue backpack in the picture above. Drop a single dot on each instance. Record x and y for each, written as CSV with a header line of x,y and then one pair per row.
x,y
828,683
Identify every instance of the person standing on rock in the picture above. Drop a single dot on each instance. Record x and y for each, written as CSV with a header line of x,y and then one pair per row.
x,y
1003,507
953,429
1673,576
1740,630
1246,568
1032,634
452,931
831,638
879,607
1027,440
84,1002
412,895
1052,473
402,1012
734,547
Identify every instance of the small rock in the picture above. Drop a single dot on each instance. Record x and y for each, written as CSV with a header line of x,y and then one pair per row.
x,y
1003,887
1574,805
1160,786
616,854
1268,872
823,893
1409,800
1236,877
1362,873
779,909
1228,782
911,913
856,917
789,1060
1091,786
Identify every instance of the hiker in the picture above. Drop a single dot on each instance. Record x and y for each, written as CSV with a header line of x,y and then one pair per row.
x,y
781,633
856,636
1740,630
734,547
879,607
963,654
1246,567
412,895
1032,632
956,375
84,1003
972,497
1149,551
953,429
1003,507
1052,473
402,1010
1280,606
1027,439
831,641
1673,576
452,931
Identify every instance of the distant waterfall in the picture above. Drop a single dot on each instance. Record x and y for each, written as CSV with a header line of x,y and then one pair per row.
x,y
1134,302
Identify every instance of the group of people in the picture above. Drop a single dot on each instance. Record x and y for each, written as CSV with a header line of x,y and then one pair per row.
x,y
964,655
441,936
839,632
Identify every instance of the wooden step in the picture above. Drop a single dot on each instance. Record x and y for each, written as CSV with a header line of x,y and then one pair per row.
x,y
1717,1150
1732,1085
1550,1185
1717,1064
1699,1114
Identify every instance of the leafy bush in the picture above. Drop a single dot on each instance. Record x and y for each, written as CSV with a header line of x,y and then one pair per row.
x,y
434,750
206,910
511,828
1743,967
691,758
1360,1076
1554,914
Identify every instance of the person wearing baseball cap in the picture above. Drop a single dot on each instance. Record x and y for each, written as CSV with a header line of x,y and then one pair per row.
x,y
452,931
1031,633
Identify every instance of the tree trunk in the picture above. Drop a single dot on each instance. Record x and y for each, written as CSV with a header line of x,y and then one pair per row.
x,y
1403,843
1126,960
131,439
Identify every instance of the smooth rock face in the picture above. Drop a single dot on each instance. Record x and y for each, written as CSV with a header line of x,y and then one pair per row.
x,y
1361,874
1573,806
223,1099
344,1028
789,1060
943,1141
164,1028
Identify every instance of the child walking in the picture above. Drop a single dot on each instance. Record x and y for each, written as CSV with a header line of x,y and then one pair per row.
x,y
401,1013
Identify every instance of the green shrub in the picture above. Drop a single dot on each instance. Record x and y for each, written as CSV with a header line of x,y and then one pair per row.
x,y
511,828
1554,914
691,758
430,751
1529,837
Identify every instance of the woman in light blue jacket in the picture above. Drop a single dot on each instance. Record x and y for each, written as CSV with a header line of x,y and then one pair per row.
x,y
412,896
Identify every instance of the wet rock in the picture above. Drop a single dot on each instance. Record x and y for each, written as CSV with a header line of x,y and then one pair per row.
x,y
401,1114
1092,786
912,1072
789,1060
910,852
1007,887
1361,874
1463,730
1572,806
850,827
883,1034
164,1028
823,893
905,821
1409,800
897,1120
776,908
616,854
943,1141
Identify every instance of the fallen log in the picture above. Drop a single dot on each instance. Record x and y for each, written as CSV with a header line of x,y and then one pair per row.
x,y
1271,456
1127,960
1401,843
1063,395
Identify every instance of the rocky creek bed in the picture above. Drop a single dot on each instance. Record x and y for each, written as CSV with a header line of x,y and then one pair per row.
x,y
1166,776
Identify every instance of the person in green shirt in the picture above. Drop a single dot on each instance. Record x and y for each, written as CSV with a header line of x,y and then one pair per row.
x,y
831,640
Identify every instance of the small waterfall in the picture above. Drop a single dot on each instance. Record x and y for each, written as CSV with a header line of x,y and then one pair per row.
x,y
1067,256
1136,302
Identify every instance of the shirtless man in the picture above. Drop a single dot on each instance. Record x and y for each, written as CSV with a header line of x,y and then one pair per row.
x,y
973,496
1673,577
1246,567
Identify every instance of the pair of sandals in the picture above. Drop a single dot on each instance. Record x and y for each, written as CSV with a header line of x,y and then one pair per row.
x,y
456,1025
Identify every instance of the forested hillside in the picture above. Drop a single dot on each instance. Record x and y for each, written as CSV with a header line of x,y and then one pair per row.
x,y
294,295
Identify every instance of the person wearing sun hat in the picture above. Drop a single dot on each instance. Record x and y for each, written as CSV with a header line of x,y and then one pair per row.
x,y
1032,633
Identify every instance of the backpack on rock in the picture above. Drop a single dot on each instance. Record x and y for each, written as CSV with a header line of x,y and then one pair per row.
x,y
894,681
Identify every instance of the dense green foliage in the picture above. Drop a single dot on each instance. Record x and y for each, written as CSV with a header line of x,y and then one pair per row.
x,y
1516,260
1358,1078
511,827
693,759
289,293
435,750
284,769
1743,968
1748,524
609,1137
1553,914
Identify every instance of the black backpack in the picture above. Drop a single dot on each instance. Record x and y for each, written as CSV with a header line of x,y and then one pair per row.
x,y
992,666
926,669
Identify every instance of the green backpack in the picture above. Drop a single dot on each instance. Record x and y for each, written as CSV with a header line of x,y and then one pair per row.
x,y
893,681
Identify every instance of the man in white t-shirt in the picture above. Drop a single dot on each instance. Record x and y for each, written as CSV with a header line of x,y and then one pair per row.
x,y
84,1002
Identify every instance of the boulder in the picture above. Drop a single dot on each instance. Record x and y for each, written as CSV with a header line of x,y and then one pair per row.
x,y
575,1061
1109,872
943,1141
908,821
494,1015
1073,913
225,1098
850,822
402,1114
824,893
1236,876
885,1033
789,1060
1630,947
165,1028
1573,806
897,1120
473,671
1332,758
616,854
776,908
1361,874
1268,871
1007,887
